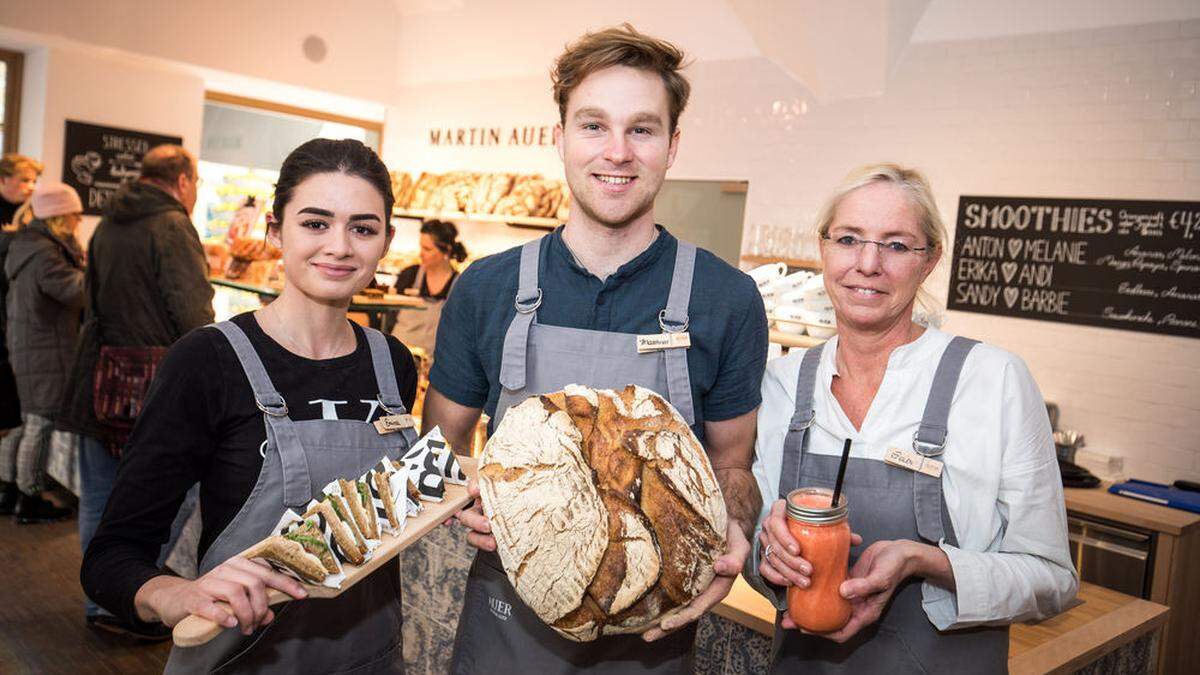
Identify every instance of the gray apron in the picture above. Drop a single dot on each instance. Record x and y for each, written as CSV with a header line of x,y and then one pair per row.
x,y
418,328
887,502
497,633
357,632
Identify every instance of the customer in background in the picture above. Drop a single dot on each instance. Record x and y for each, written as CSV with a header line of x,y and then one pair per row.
x,y
948,559
431,280
44,271
18,175
147,286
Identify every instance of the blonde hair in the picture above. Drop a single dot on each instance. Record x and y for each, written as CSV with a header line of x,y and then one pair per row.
x,y
920,194
11,163
23,215
621,46
60,227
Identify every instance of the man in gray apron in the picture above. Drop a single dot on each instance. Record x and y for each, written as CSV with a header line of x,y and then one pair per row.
x,y
359,631
569,308
886,503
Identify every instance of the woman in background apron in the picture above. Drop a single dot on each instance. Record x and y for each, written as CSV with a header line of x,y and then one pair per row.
x,y
431,281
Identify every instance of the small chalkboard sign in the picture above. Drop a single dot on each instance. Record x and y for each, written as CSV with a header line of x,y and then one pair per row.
x,y
1099,262
97,160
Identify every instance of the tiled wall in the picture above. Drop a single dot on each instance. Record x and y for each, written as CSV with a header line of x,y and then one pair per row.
x,y
1106,113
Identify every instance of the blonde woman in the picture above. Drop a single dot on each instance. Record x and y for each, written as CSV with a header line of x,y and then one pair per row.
x,y
44,270
945,563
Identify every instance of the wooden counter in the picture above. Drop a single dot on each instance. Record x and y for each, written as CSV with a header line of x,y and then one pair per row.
x,y
1175,552
1101,503
1102,622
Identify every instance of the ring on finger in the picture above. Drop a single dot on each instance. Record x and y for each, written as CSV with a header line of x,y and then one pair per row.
x,y
769,550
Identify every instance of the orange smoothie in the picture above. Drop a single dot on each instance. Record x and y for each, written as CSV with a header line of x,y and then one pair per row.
x,y
824,538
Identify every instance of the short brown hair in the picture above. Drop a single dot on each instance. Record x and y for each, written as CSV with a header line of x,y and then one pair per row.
x,y
621,46
166,163
11,163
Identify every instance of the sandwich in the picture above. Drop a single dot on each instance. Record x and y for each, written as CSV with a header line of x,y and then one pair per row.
x,y
291,555
368,503
352,494
380,480
308,534
341,526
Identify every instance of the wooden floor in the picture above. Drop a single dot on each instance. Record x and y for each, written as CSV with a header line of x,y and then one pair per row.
x,y
42,628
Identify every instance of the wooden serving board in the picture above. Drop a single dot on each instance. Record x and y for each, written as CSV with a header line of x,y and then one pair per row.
x,y
194,630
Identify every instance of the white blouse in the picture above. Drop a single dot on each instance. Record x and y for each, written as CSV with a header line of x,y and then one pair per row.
x,y
1001,479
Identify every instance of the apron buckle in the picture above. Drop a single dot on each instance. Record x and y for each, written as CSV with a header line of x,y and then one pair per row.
x,y
812,417
390,409
927,449
273,409
525,307
662,323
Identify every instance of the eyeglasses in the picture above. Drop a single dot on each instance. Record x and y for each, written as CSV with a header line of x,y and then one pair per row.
x,y
848,243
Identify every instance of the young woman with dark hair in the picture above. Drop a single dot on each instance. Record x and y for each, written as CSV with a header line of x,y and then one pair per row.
x,y
432,280
317,380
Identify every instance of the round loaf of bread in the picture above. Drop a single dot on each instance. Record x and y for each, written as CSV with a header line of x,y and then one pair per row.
x,y
606,512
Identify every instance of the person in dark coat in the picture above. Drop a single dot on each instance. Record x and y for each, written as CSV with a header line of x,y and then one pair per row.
x,y
44,270
18,176
147,286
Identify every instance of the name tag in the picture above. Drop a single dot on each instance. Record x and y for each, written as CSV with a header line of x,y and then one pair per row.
x,y
394,423
657,343
913,461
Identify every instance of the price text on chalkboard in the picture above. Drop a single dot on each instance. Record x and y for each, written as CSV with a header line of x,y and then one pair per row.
x,y
97,160
1133,265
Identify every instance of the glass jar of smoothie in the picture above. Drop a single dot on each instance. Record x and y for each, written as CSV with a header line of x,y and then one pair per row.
x,y
824,537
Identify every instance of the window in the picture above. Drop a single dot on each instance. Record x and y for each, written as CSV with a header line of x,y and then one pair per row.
x,y
11,67
243,144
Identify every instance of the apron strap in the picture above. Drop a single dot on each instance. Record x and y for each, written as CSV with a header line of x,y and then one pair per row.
x,y
297,488
794,445
385,372
930,441
674,319
385,379
420,279
529,298
796,440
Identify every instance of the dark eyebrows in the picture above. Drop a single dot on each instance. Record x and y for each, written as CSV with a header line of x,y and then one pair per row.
x,y
329,214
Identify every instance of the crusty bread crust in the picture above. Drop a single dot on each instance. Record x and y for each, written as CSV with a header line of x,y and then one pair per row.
x,y
606,511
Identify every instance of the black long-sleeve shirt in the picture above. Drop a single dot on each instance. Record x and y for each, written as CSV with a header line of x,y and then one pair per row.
x,y
200,424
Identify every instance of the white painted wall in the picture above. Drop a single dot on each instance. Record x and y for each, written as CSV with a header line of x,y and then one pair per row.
x,y
104,88
1109,113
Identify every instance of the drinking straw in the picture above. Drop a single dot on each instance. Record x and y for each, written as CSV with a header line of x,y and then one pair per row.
x,y
837,487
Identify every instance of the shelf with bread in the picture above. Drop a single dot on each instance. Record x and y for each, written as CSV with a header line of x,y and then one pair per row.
x,y
792,341
792,263
516,199
425,214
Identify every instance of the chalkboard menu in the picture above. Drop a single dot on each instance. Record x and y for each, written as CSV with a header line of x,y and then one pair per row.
x,y
97,160
1119,264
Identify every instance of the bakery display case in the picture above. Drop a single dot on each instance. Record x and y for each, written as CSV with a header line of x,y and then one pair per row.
x,y
529,200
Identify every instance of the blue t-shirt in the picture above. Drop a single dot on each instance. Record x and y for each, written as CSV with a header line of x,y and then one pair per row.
x,y
728,324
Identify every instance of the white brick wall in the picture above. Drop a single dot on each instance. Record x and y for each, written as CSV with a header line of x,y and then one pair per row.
x,y
1106,113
